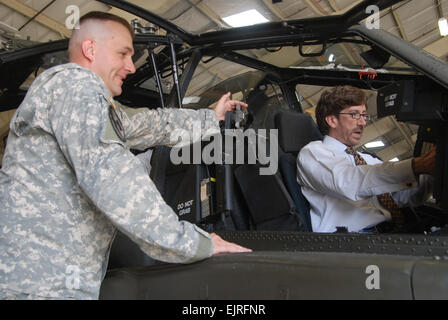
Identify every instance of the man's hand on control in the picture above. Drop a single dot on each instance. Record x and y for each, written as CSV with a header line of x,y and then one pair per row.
x,y
222,246
224,105
425,163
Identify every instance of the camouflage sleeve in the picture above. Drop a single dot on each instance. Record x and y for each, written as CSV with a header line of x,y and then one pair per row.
x,y
116,183
145,128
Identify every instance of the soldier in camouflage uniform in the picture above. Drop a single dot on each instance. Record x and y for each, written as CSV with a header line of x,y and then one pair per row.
x,y
68,179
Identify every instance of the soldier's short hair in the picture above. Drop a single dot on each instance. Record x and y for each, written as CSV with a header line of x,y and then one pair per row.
x,y
104,16
334,100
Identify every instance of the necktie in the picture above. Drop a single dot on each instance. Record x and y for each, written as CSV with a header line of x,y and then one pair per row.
x,y
385,199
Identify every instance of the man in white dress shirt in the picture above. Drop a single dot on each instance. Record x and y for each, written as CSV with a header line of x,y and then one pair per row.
x,y
344,191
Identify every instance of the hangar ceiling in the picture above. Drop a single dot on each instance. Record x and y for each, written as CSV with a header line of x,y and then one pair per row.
x,y
412,20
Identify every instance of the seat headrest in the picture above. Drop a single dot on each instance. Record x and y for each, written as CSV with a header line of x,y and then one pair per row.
x,y
295,130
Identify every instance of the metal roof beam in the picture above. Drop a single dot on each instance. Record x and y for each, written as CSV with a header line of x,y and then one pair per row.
x,y
149,16
41,18
273,9
399,24
439,8
317,8
209,13
333,5
438,48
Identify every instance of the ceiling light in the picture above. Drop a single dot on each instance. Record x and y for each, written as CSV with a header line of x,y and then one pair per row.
x,y
188,100
374,144
443,27
245,18
394,160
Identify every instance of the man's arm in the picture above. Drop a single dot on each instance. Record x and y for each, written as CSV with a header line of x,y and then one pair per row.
x,y
328,173
145,128
116,183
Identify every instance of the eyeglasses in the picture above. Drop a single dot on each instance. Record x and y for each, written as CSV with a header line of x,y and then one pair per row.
x,y
357,116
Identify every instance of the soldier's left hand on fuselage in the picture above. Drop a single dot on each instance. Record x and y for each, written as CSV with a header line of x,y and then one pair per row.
x,y
222,246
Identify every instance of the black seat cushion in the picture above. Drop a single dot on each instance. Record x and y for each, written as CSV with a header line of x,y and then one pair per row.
x,y
295,130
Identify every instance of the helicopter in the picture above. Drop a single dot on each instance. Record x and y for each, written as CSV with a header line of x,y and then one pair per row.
x,y
231,196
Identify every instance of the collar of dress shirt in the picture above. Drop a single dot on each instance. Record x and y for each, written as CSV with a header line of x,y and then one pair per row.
x,y
334,144
339,147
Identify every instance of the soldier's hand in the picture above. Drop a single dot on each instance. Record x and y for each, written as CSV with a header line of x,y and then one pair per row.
x,y
224,105
425,163
222,246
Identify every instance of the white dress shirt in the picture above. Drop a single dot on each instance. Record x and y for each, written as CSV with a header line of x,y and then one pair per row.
x,y
342,194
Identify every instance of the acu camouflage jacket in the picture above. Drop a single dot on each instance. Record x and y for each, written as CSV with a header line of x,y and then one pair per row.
x,y
68,180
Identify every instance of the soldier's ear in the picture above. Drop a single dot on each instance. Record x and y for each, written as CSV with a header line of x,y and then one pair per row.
x,y
88,48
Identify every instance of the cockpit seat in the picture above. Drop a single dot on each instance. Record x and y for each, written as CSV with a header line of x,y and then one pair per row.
x,y
295,130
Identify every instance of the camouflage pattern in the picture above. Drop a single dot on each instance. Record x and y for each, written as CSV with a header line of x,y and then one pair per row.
x,y
68,181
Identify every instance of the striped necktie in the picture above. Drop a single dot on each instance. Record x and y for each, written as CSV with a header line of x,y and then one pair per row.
x,y
385,199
